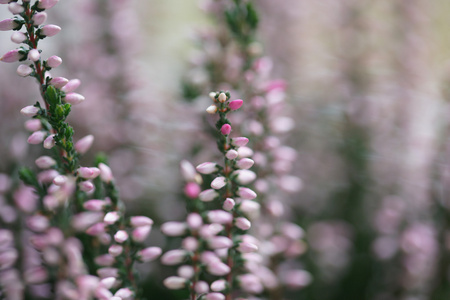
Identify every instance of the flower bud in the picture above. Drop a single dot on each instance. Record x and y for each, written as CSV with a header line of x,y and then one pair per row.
x,y
49,142
38,223
60,180
96,229
34,55
8,24
45,162
222,97
115,250
71,86
24,70
219,182
220,217
212,109
11,56
53,62
83,145
88,173
29,111
231,154
86,186
220,242
50,30
190,243
108,272
105,260
35,275
192,190
187,170
250,208
94,205
239,141
139,234
250,283
215,296
218,268
245,163
246,193
174,228
246,247
228,204
244,176
18,37
236,104
226,129
33,125
175,283
212,95
74,98
219,285
208,195
244,152
173,257
243,223
59,82
46,4
149,254
124,294
201,287
105,173
36,137
39,18
207,168
138,221
15,8
111,217
194,220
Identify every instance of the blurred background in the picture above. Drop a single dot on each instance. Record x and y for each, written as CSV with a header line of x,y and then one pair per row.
x,y
368,87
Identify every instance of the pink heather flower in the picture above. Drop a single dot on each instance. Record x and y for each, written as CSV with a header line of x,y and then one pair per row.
x,y
29,111
35,275
190,243
244,176
246,193
50,30
250,208
186,271
192,190
115,250
236,104
139,234
74,98
15,8
121,236
6,238
94,205
219,285
174,228
276,85
187,171
83,220
46,4
245,152
215,296
84,144
86,186
201,287
222,97
297,278
149,254
103,293
8,24
210,230
86,285
231,154
239,141
245,163
212,95
105,260
39,18
138,221
54,236
246,247
47,176
18,37
228,204
173,257
226,129
108,282
219,182
243,223
53,62
36,137
33,125
60,180
34,55
250,283
212,109
220,242
124,293
8,258
11,56
72,85
194,220
208,195
59,82
105,172
220,217
24,70
218,268
88,173
96,229
49,142
209,257
175,283
107,272
45,162
111,217
38,223
290,184
207,168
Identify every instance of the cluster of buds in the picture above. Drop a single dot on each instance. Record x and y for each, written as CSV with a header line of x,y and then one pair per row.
x,y
74,218
217,248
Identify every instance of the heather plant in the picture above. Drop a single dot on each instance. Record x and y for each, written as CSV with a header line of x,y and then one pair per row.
x,y
77,242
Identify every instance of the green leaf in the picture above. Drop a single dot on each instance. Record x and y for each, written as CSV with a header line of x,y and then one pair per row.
x,y
52,96
252,16
28,177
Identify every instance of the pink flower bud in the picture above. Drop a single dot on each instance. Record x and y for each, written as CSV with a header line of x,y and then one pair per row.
x,y
47,176
96,229
18,37
124,293
218,268
236,104
190,243
201,287
231,154
219,285
33,125
11,56
174,228
49,142
194,220
39,18
212,109
187,170
59,82
8,24
219,182
105,260
8,258
250,208
45,162
86,219
6,238
60,180
243,223
149,254
105,173
245,152
210,230
94,205
296,279
244,176
220,242
34,55
139,234
115,250
36,137
192,190
246,193
88,173
138,221
111,217
173,257
29,111
71,86
209,257
226,129
46,4
246,247
239,141
222,97
74,98
15,8
175,283
38,223
212,95
207,168
53,62
50,30
250,283
186,271
86,186
103,293
108,272
121,236
228,204
35,275
208,195
220,217
215,296
24,70
245,163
